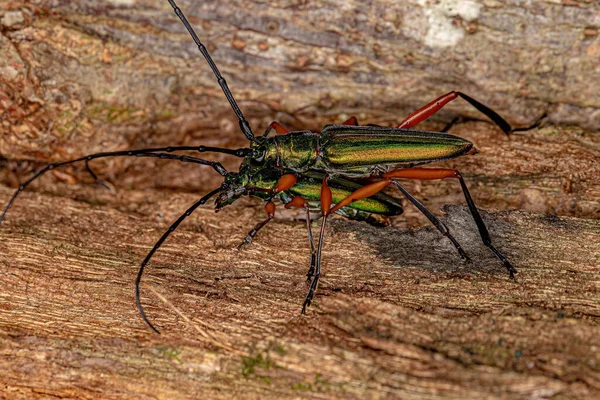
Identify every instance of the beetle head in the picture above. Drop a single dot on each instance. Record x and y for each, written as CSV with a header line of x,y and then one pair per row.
x,y
232,189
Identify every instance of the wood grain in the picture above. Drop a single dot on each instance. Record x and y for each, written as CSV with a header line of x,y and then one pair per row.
x,y
397,314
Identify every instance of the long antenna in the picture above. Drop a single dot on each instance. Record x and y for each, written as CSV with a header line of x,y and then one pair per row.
x,y
153,152
244,125
164,237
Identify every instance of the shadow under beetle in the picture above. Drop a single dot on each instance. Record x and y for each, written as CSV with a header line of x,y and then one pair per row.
x,y
318,171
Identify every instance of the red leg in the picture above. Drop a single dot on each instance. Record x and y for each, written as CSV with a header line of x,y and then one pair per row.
x,y
279,129
373,188
428,110
364,192
409,173
285,182
351,121
429,174
422,174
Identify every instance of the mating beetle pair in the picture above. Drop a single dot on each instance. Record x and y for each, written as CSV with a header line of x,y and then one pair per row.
x,y
319,171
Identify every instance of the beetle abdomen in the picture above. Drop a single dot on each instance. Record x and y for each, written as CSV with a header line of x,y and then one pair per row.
x,y
354,150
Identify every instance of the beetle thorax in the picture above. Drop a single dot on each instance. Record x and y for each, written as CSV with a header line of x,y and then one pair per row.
x,y
297,151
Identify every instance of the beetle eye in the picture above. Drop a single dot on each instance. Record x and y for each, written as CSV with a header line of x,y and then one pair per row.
x,y
258,155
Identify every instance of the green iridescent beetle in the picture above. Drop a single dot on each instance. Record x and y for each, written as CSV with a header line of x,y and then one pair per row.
x,y
317,171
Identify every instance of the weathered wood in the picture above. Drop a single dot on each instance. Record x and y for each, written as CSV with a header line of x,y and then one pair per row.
x,y
397,315
80,76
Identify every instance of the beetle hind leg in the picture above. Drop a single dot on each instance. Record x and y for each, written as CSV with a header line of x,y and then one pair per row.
x,y
441,173
436,105
434,220
429,174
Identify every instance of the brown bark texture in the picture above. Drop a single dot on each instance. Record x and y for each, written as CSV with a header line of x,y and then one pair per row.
x,y
397,313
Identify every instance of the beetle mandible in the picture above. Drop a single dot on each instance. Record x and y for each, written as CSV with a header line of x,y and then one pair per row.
x,y
317,171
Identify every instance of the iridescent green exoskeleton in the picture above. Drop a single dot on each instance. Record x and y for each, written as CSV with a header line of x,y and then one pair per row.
x,y
341,169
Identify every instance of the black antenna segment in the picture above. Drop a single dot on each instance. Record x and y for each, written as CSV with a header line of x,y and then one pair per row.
x,y
244,125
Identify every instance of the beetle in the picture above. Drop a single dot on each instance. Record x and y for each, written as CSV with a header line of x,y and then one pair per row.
x,y
321,171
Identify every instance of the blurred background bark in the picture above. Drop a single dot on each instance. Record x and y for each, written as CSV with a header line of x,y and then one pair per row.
x,y
86,76
78,77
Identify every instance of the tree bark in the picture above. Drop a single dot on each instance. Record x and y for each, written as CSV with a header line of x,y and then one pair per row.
x,y
89,75
397,315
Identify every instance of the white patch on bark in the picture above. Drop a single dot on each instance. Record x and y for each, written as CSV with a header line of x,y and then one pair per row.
x,y
122,2
441,31
11,18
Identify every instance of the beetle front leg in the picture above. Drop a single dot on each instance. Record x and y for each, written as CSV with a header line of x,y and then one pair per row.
x,y
300,202
279,129
441,173
284,183
270,210
352,121
326,200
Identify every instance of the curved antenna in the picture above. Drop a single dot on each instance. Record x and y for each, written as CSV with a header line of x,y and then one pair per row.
x,y
153,152
165,235
244,125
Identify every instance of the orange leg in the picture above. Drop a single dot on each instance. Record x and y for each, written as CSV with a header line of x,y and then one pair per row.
x,y
279,129
439,173
373,188
270,210
436,105
326,200
284,183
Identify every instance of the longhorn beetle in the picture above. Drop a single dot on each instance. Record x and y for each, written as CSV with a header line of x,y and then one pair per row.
x,y
316,171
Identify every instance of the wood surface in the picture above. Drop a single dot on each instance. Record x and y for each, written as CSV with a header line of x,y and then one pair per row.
x,y
397,314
